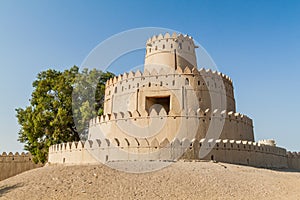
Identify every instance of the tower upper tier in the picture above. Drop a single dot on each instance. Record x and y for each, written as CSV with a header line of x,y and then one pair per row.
x,y
170,51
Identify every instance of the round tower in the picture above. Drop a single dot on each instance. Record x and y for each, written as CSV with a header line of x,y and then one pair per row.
x,y
170,51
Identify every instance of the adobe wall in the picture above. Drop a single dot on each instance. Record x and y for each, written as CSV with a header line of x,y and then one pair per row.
x,y
194,124
293,160
170,50
131,89
243,152
228,151
104,150
13,164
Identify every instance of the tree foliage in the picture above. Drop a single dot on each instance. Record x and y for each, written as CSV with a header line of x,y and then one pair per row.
x,y
61,105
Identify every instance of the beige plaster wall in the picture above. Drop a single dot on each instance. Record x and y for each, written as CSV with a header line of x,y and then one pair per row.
x,y
13,164
170,50
126,92
159,124
243,152
228,151
293,160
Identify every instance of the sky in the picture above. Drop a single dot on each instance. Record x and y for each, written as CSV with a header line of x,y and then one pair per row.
x,y
256,43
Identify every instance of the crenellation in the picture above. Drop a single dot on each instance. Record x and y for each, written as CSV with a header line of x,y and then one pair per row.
x,y
115,142
231,118
167,35
97,143
106,142
174,35
131,75
68,145
114,116
154,143
185,143
54,148
165,143
80,145
154,73
191,113
14,163
126,87
138,73
74,145
136,114
143,142
187,70
240,145
101,119
107,117
124,142
88,144
146,73
60,147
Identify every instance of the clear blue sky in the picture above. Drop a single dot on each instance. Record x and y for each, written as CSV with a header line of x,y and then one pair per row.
x,y
256,43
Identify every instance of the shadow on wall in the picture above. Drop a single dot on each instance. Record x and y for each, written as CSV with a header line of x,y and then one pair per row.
x,y
7,189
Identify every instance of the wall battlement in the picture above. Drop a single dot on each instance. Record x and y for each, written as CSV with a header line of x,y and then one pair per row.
x,y
170,73
135,87
161,113
293,160
120,149
293,154
174,35
7,157
241,145
217,144
12,164
160,44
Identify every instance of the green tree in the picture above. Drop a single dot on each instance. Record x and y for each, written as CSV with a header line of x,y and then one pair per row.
x,y
58,100
88,97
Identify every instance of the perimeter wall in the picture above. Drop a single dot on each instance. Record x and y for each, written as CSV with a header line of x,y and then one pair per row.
x,y
13,164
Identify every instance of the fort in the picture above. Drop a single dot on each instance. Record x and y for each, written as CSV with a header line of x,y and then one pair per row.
x,y
172,111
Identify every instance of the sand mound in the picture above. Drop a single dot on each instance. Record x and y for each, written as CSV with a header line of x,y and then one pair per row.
x,y
181,180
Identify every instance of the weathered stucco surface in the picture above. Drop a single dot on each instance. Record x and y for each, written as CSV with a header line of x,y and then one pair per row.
x,y
13,164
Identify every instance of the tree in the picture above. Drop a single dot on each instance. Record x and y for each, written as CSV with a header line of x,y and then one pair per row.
x,y
88,97
58,100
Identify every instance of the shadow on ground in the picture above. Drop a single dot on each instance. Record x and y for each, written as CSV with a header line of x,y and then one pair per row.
x,y
8,188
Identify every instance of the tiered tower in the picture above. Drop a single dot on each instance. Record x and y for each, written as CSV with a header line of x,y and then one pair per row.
x,y
172,111
171,80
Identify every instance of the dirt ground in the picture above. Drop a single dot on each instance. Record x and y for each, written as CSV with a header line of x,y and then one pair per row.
x,y
181,180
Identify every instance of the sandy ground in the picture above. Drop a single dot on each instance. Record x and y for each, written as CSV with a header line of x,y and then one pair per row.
x,y
181,180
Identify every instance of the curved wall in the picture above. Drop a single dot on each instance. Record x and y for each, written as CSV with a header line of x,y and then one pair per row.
x,y
228,151
194,124
127,92
171,51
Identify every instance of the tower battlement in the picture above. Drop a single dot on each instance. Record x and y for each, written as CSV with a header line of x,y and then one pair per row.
x,y
168,42
166,36
171,51
200,82
129,76
206,114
